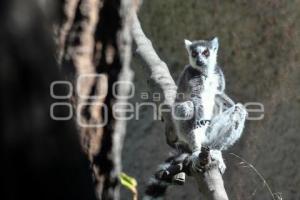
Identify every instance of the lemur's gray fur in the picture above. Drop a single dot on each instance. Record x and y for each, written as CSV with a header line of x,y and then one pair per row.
x,y
198,111
198,84
203,114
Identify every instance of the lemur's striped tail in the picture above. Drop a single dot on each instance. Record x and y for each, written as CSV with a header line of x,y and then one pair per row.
x,y
156,189
167,174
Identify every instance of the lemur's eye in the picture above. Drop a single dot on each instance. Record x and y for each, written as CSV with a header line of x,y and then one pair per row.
x,y
206,52
194,53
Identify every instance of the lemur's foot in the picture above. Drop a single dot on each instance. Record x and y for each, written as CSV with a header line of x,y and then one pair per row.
x,y
203,156
216,155
199,159
179,179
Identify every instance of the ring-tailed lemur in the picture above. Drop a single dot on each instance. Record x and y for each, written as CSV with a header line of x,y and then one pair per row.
x,y
200,85
203,113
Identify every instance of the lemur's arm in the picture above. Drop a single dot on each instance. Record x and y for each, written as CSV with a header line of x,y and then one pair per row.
x,y
223,101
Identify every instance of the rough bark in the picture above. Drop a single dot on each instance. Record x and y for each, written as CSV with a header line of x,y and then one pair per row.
x,y
95,53
160,74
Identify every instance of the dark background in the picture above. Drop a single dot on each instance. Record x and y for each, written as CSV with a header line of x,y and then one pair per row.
x,y
40,158
259,54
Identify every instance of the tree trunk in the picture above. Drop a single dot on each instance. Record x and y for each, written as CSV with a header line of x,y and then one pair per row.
x,y
94,51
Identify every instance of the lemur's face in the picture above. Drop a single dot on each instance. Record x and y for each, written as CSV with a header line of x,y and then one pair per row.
x,y
202,53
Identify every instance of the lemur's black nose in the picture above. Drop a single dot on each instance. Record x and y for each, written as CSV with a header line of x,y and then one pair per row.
x,y
199,63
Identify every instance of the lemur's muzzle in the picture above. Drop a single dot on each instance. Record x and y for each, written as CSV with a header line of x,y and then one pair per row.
x,y
199,62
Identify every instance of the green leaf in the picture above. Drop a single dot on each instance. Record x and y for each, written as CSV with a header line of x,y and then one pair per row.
x,y
128,182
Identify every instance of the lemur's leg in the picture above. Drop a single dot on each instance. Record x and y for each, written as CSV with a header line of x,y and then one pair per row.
x,y
225,100
188,114
226,128
164,177
198,139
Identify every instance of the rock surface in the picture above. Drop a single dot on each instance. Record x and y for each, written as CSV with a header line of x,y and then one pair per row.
x,y
259,54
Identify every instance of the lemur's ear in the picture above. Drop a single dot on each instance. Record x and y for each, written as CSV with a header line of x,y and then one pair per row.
x,y
187,43
215,43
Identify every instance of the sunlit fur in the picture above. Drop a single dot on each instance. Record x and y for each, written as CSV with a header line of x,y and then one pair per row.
x,y
200,84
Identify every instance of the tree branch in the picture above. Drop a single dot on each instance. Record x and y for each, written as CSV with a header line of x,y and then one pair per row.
x,y
211,177
159,69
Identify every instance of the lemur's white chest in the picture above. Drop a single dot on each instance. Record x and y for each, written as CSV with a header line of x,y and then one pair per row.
x,y
208,95
205,88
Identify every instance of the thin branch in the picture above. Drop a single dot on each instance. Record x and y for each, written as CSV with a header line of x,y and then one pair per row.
x,y
275,196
